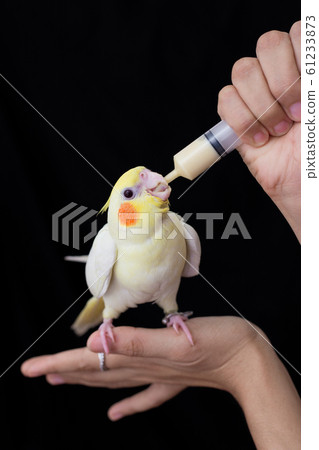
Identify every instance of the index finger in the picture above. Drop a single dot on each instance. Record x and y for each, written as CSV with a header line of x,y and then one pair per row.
x,y
145,342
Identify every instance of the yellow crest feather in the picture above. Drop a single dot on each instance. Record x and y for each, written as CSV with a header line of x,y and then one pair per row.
x,y
105,207
129,178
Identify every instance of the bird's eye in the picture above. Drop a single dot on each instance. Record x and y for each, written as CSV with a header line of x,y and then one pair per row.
x,y
128,193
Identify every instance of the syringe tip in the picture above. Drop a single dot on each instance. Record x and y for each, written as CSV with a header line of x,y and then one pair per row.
x,y
171,176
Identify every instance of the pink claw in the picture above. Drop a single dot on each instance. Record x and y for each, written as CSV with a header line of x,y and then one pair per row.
x,y
106,332
178,323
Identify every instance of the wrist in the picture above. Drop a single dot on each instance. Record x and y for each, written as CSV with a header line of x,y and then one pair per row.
x,y
290,207
246,369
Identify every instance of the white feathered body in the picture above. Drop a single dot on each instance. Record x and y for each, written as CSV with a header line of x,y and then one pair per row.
x,y
144,266
145,269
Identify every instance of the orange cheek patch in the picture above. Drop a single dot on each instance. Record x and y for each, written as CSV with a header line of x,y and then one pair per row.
x,y
127,214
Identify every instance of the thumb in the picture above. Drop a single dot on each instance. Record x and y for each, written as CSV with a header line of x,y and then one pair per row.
x,y
129,341
155,395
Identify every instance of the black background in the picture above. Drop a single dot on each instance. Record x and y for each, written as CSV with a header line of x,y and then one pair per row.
x,y
128,83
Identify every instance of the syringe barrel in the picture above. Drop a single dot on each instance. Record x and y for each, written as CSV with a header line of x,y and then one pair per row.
x,y
205,151
223,138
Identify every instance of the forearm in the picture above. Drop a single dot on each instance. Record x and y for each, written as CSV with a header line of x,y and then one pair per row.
x,y
269,399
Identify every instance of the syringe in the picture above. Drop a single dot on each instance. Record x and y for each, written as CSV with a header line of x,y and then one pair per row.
x,y
204,152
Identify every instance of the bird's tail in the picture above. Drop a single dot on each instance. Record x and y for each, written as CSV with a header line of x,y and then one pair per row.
x,y
89,317
81,259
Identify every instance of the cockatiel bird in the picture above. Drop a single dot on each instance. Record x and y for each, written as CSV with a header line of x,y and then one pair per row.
x,y
139,256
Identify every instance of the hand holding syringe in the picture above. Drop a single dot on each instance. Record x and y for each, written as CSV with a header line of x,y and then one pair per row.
x,y
261,118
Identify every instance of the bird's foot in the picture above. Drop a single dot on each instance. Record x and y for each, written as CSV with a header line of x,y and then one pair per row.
x,y
177,321
106,331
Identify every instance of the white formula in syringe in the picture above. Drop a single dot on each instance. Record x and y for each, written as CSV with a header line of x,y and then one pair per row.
x,y
204,152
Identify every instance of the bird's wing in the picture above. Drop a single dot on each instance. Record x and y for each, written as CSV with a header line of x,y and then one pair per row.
x,y
101,259
193,251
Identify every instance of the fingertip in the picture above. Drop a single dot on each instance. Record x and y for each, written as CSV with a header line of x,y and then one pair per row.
x,y
114,415
295,30
24,368
94,342
55,379
260,138
295,111
28,369
255,138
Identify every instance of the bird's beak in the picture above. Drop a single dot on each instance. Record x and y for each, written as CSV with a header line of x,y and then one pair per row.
x,y
155,184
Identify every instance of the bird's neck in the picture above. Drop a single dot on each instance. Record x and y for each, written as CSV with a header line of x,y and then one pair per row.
x,y
149,226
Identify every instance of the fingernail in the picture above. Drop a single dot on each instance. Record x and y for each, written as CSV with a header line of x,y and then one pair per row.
x,y
55,379
260,138
282,127
295,111
116,416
